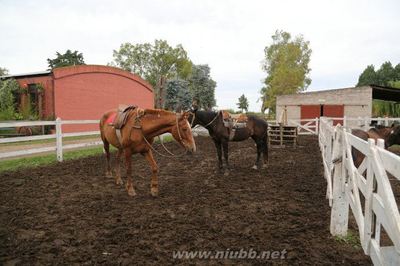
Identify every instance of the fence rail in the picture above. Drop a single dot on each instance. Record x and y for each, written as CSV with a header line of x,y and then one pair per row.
x,y
346,183
59,147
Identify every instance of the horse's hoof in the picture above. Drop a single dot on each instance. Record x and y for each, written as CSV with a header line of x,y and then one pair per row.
x,y
255,167
131,191
119,181
108,174
226,173
154,193
265,166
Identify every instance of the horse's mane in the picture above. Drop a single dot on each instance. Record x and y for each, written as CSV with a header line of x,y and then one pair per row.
x,y
158,112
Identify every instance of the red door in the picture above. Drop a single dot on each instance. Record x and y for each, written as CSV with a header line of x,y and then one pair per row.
x,y
334,111
310,111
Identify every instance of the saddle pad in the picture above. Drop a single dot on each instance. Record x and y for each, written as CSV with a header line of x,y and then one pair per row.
x,y
232,124
111,118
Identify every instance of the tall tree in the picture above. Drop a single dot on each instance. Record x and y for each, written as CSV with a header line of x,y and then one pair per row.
x,y
69,58
7,99
286,64
178,96
202,86
368,76
154,62
243,103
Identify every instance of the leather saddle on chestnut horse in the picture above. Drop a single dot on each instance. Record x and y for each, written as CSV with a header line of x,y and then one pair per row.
x,y
233,122
120,118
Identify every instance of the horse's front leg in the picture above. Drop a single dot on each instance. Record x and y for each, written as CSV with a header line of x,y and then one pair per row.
x,y
225,145
154,170
219,152
108,162
257,165
118,179
129,184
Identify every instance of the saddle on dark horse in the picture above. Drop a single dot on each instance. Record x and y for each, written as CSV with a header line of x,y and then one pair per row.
x,y
234,122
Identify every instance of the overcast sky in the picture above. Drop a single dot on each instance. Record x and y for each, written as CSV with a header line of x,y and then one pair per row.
x,y
229,36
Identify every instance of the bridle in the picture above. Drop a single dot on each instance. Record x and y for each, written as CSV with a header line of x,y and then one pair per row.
x,y
208,124
162,143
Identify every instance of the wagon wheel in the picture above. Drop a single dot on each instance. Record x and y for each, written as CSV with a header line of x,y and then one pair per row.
x,y
26,131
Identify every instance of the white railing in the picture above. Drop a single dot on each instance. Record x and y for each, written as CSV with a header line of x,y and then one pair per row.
x,y
345,183
58,136
304,126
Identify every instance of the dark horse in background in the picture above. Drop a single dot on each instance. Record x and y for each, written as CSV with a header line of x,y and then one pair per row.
x,y
256,128
391,136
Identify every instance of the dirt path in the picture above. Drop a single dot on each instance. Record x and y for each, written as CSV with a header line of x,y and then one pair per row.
x,y
70,213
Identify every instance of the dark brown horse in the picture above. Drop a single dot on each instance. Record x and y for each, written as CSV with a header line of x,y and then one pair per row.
x,y
256,128
391,136
137,136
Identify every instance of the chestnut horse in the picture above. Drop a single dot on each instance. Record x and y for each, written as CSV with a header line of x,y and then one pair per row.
x,y
391,136
137,136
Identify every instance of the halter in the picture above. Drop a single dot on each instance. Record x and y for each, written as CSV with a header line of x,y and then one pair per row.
x,y
162,144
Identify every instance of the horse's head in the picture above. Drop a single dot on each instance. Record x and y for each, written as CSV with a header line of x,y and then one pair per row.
x,y
394,136
182,132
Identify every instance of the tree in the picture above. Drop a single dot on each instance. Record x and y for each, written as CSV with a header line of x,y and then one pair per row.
x,y
202,86
3,71
67,59
7,99
368,77
178,96
243,103
286,64
153,62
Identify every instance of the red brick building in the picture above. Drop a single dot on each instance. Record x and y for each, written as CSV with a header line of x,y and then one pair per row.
x,y
82,92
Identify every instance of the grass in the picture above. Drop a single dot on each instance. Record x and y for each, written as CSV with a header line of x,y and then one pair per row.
x,y
41,160
352,239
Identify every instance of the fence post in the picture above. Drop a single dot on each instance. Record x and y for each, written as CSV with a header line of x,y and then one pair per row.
x,y
370,219
340,206
316,125
344,121
386,121
59,140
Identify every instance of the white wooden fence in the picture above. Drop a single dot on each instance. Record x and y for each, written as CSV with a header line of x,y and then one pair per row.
x,y
345,184
59,147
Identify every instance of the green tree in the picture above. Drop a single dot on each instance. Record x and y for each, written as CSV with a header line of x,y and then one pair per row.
x,y
243,103
286,64
153,62
178,96
8,89
202,86
368,77
69,58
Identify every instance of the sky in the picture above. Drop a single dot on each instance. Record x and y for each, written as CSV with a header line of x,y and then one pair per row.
x,y
230,36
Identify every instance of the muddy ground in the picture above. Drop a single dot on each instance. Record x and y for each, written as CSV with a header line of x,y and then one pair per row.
x,y
70,213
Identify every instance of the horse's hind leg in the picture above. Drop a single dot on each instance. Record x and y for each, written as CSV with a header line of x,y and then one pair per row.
x,y
219,152
128,165
225,145
154,177
118,179
265,151
107,152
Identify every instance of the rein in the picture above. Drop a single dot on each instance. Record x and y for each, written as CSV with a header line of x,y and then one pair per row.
x,y
212,121
162,144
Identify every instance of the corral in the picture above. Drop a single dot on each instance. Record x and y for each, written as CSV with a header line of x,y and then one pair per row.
x,y
71,213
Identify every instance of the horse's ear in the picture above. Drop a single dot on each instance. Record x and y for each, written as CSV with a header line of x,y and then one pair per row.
x,y
195,105
185,114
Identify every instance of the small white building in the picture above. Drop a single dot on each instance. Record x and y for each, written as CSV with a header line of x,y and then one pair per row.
x,y
349,102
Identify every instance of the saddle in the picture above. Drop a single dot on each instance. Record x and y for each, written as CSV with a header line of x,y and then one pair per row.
x,y
121,118
233,122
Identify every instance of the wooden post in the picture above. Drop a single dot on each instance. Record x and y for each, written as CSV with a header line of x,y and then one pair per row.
x,y
344,121
281,133
340,206
370,218
59,140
